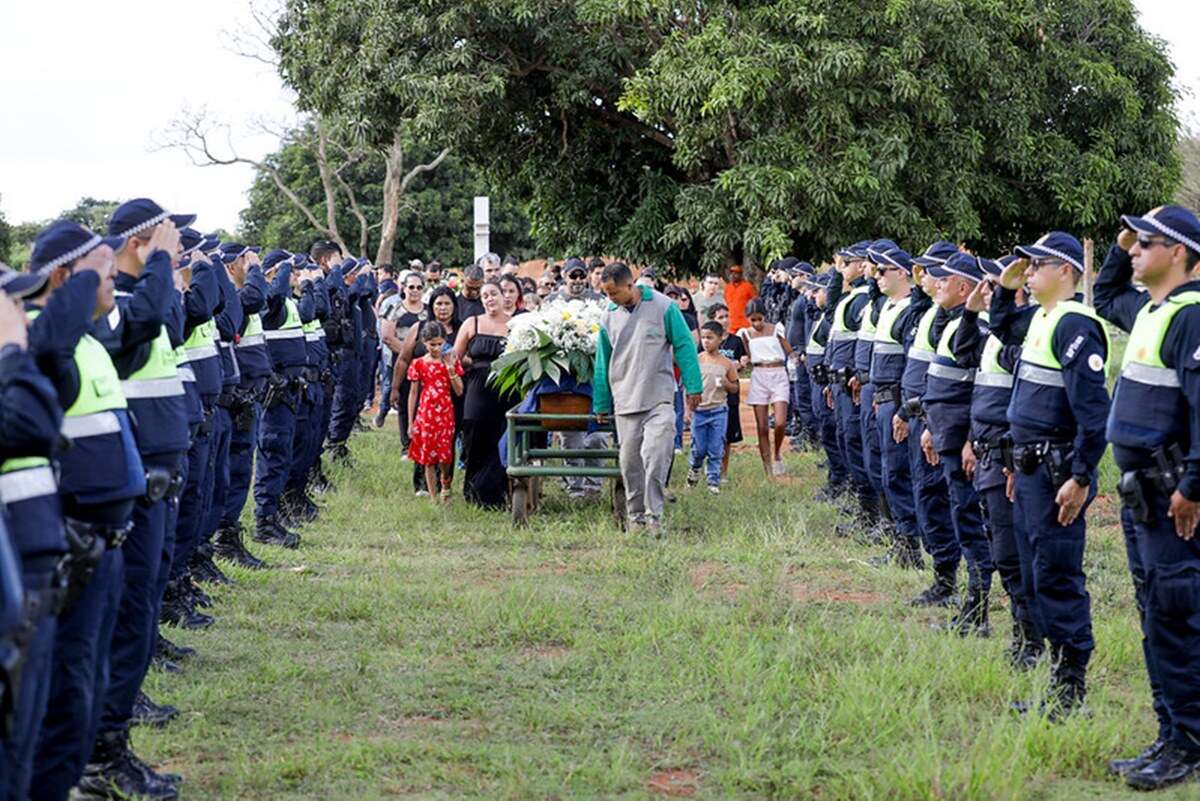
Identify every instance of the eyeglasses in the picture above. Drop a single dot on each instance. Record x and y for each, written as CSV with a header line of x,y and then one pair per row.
x,y
417,287
1146,241
1038,264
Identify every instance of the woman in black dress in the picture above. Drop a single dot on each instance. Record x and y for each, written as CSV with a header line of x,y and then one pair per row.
x,y
441,307
481,339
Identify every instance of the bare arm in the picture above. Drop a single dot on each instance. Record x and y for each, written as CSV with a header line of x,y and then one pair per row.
x,y
461,342
731,377
414,392
387,330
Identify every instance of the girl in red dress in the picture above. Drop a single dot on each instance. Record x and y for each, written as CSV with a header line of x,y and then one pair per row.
x,y
434,377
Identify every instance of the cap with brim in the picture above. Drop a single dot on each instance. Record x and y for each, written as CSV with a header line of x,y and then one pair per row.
x,y
17,284
137,215
64,241
898,258
937,253
232,251
274,257
876,249
1055,245
963,265
1174,222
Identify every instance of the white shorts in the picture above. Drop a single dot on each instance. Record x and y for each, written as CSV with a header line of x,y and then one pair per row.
x,y
769,385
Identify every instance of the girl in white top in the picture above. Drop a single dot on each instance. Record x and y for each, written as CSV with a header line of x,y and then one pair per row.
x,y
770,389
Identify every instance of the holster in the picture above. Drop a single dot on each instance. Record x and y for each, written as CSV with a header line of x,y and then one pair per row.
x,y
242,411
992,450
1168,468
158,483
86,544
820,374
914,409
888,393
206,424
1056,456
1133,496
347,332
327,380
276,392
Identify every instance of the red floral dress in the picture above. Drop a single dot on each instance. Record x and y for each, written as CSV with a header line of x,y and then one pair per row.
x,y
432,433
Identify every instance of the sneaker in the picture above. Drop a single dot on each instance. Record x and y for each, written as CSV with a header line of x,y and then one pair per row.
x,y
778,468
693,476
422,493
380,417
714,489
678,451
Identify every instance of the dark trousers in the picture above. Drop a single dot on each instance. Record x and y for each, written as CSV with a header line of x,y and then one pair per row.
x,y
1061,600
826,422
932,499
368,357
276,434
849,429
872,447
896,475
241,469
967,519
221,441
1005,555
134,632
802,406
79,681
346,403
307,443
29,707
193,504
1172,619
1137,571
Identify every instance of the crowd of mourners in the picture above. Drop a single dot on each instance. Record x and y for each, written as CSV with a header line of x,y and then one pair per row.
x,y
152,376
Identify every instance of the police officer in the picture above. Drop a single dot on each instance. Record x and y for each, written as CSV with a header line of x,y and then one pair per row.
x,y
229,321
30,418
284,334
947,406
369,349
816,362
139,343
101,476
903,305
846,315
254,368
296,504
983,455
326,256
865,390
1057,415
344,293
1154,427
908,425
796,332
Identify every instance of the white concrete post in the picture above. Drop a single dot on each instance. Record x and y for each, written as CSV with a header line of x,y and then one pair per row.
x,y
483,227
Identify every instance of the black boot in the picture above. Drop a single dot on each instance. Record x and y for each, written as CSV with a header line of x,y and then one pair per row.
x,y
115,772
204,569
1068,686
1122,767
972,618
319,482
177,608
229,544
148,713
904,553
268,530
169,650
339,453
1173,766
197,597
1027,646
165,665
943,591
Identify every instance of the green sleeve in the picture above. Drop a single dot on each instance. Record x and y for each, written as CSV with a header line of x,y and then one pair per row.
x,y
601,393
685,350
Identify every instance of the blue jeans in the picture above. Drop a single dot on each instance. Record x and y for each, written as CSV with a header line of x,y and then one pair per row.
x,y
708,440
678,416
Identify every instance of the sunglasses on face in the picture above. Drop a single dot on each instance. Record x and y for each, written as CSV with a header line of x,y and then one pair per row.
x,y
417,287
1146,241
1038,264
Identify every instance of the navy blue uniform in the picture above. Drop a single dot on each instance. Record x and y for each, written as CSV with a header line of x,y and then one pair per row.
x,y
846,411
254,365
229,320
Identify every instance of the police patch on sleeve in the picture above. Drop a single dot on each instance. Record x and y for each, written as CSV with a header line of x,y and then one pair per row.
x,y
1096,362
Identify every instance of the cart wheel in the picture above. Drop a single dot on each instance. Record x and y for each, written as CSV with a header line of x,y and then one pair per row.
x,y
520,505
618,503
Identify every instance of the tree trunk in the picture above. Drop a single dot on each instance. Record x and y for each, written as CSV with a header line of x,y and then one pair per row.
x,y
394,165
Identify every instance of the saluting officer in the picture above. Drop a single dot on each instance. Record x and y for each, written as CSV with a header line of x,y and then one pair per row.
x,y
347,313
31,516
1154,428
983,454
254,368
100,477
903,306
137,339
1057,415
284,334
295,504
846,314
947,406
863,388
930,493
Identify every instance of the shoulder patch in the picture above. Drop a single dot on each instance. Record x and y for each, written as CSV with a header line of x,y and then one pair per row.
x,y
1096,362
114,317
1073,348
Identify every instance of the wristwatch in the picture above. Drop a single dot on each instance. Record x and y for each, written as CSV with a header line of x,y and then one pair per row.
x,y
1082,479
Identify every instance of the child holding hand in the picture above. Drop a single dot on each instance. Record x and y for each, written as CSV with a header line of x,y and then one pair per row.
x,y
435,377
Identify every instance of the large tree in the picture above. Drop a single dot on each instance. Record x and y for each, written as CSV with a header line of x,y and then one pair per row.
x,y
434,220
724,130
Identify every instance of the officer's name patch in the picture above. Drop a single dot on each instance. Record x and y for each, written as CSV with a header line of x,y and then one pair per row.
x,y
1096,362
1074,347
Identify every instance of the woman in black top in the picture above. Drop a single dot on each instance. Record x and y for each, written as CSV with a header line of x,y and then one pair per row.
x,y
481,339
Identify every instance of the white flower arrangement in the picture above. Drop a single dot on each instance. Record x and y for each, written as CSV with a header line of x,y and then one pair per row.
x,y
560,338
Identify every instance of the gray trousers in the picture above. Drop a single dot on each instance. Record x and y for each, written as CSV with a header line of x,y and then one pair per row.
x,y
579,440
647,449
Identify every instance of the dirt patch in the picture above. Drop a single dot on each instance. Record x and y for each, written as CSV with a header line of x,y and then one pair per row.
x,y
805,594
679,783
713,576
548,651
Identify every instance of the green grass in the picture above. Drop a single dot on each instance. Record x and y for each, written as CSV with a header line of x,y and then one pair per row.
x,y
411,651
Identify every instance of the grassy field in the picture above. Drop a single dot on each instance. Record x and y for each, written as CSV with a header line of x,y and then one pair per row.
x,y
411,651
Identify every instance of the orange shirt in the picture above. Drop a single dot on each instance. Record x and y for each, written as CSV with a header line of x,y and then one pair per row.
x,y
736,297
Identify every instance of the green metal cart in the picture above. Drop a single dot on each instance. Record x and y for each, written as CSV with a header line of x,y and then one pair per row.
x,y
527,467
